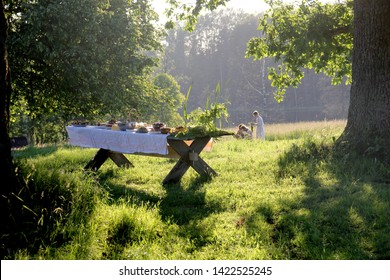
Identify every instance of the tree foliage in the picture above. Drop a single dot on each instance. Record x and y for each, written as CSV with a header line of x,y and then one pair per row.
x,y
301,35
170,102
82,58
189,13
215,52
308,35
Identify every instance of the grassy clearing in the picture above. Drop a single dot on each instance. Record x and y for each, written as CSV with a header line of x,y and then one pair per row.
x,y
291,130
290,197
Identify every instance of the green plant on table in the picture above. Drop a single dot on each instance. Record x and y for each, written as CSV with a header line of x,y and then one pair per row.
x,y
203,122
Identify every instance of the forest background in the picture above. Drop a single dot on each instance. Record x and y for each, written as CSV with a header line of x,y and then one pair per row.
x,y
216,52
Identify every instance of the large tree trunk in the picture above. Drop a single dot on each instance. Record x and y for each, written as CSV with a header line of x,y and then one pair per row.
x,y
9,182
6,170
368,126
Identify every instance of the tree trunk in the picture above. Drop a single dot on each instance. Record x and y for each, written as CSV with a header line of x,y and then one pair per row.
x,y
368,126
7,172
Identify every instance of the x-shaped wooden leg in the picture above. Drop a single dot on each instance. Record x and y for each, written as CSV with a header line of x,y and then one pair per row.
x,y
189,157
102,155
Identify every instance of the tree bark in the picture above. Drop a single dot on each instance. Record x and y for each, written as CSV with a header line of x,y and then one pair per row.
x,y
368,125
5,94
7,171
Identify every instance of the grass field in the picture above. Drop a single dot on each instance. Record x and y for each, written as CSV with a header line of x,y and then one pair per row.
x,y
289,197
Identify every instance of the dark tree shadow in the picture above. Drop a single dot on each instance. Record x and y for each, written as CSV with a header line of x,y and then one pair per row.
x,y
38,213
183,204
119,192
34,151
345,219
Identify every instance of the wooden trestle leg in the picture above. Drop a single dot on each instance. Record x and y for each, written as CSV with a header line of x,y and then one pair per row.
x,y
102,155
189,157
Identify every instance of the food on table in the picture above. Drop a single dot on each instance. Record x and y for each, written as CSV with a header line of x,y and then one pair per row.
x,y
110,123
165,130
115,126
80,123
142,129
180,128
139,124
157,126
132,125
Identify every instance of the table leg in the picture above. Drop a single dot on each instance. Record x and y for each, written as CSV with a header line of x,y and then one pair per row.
x,y
189,157
176,172
120,159
102,155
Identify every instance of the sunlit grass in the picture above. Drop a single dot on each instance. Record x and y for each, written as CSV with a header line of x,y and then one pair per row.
x,y
289,197
301,129
286,128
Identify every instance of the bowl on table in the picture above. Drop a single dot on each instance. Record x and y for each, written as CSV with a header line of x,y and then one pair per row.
x,y
142,129
122,126
165,130
157,126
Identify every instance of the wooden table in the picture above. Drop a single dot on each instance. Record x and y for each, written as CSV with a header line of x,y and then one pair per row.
x,y
110,144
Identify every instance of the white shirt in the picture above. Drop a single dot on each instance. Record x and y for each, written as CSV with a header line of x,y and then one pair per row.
x,y
258,121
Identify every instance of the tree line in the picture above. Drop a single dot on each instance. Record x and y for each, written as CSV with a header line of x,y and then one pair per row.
x,y
215,52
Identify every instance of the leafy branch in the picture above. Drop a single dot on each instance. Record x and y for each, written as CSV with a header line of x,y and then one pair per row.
x,y
202,122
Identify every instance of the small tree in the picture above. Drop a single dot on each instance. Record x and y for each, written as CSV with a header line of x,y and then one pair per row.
x,y
171,100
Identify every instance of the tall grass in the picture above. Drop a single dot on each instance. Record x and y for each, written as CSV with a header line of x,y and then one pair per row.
x,y
299,129
289,197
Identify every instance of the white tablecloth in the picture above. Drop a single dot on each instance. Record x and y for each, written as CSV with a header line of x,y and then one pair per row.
x,y
128,142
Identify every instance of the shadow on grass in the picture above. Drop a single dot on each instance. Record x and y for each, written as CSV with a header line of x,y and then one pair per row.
x,y
120,192
45,213
182,204
34,151
187,207
343,212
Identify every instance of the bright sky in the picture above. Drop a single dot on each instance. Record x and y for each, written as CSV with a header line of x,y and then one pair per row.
x,y
249,6
246,5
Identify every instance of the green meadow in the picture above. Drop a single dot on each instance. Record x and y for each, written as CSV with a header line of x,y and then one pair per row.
x,y
289,197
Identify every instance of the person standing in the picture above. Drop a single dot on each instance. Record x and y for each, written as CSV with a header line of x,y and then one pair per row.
x,y
259,124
